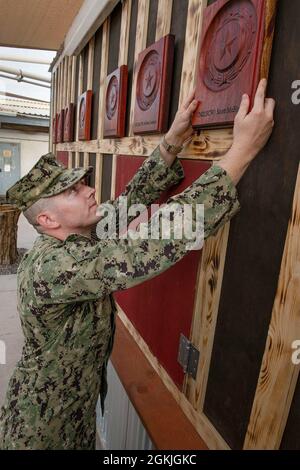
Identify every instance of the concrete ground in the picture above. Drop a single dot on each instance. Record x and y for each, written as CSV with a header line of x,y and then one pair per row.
x,y
11,338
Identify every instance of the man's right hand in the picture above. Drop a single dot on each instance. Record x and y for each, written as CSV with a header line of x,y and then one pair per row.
x,y
251,132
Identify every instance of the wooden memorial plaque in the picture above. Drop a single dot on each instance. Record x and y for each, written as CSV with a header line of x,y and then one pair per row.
x,y
154,76
60,127
69,123
54,129
85,113
230,59
115,103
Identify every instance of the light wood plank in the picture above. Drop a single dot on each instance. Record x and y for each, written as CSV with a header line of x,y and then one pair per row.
x,y
201,423
210,145
209,285
79,92
65,82
124,35
103,75
90,63
278,375
191,48
271,10
73,79
164,17
98,176
140,44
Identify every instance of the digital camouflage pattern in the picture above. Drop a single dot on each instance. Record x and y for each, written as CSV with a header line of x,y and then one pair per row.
x,y
68,312
47,178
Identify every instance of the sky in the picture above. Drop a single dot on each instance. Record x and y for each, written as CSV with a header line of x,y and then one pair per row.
x,y
25,89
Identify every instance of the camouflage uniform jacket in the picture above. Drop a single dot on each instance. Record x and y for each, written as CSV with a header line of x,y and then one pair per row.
x,y
68,313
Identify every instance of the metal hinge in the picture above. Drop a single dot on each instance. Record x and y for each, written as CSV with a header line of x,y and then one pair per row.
x,y
188,356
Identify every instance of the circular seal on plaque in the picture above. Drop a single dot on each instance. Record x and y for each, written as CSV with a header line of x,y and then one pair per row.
x,y
228,44
112,95
148,80
82,113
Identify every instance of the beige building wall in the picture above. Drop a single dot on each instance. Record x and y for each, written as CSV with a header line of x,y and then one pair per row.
x,y
33,146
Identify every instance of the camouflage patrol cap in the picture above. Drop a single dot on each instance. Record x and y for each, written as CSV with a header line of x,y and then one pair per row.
x,y
47,178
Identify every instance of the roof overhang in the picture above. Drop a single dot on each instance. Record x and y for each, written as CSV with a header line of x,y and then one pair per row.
x,y
35,24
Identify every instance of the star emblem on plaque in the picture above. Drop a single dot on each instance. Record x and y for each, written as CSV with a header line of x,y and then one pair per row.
x,y
154,77
229,60
115,103
60,127
69,123
84,115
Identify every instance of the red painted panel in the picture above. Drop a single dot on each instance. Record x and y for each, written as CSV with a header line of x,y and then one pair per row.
x,y
63,158
60,127
230,59
162,308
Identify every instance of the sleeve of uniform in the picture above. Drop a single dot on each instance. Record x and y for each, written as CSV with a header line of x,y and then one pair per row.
x,y
152,178
88,272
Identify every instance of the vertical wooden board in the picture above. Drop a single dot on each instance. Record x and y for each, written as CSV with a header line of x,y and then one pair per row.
x,y
103,75
161,309
114,38
76,96
131,47
278,375
164,16
81,159
73,160
291,436
178,28
255,248
124,33
96,82
140,45
92,162
151,33
85,58
193,31
106,177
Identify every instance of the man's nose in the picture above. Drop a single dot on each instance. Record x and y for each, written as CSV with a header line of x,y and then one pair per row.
x,y
91,192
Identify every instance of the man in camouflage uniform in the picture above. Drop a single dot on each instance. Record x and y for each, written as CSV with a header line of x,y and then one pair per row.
x,y
65,283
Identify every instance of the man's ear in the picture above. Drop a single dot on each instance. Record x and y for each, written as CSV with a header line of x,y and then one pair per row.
x,y
47,220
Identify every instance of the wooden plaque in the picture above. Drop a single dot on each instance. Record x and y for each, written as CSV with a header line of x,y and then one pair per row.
x,y
60,127
154,77
54,129
115,103
230,59
85,113
69,123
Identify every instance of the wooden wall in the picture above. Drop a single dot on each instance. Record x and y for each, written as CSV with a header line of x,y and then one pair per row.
x,y
247,308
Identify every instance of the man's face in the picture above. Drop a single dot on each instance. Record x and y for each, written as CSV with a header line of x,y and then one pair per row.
x,y
76,207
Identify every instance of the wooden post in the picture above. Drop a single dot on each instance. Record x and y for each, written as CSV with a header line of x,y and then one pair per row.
x,y
9,216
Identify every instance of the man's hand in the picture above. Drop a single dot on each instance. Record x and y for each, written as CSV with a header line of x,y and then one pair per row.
x,y
251,132
181,129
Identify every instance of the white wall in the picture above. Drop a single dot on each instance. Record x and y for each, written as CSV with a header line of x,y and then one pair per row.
x,y
120,428
33,146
